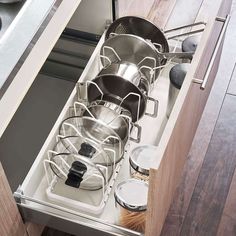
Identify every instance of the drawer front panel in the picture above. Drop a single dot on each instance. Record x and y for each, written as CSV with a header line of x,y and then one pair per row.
x,y
10,220
76,225
58,223
165,179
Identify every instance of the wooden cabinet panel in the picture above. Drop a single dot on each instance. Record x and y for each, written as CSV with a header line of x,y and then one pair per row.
x,y
136,7
34,229
164,180
10,220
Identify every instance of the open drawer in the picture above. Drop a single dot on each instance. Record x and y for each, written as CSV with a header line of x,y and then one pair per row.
x,y
173,141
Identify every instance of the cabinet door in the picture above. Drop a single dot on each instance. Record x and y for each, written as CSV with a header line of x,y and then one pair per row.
x,y
10,220
164,179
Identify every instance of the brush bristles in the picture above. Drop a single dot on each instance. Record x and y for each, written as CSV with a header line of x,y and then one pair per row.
x,y
133,220
139,176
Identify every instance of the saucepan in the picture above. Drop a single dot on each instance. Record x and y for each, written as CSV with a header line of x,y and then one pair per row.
x,y
115,89
147,30
128,71
120,122
140,27
136,50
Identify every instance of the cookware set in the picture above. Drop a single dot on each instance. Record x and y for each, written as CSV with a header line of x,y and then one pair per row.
x,y
92,139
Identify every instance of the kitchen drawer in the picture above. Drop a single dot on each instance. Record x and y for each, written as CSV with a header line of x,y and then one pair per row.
x,y
173,146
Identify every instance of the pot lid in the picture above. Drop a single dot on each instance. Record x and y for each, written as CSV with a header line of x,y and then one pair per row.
x,y
142,158
190,43
177,74
98,134
78,171
84,147
132,194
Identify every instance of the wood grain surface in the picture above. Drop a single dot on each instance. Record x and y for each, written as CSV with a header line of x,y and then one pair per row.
x,y
210,193
202,139
10,221
196,156
227,224
136,7
232,85
160,12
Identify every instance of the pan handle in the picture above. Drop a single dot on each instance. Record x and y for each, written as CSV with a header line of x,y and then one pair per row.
x,y
155,107
184,27
171,55
139,131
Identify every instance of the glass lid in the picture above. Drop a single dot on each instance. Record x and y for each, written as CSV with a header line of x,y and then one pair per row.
x,y
95,131
84,147
78,171
132,194
143,158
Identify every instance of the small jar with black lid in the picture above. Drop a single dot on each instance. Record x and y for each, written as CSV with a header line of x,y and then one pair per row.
x,y
142,159
131,204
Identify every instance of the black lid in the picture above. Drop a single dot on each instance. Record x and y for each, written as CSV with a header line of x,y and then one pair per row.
x,y
177,74
87,150
190,43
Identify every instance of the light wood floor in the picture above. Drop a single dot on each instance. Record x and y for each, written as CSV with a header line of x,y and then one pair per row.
x,y
205,201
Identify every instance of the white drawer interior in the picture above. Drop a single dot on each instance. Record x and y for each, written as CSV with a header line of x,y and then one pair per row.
x,y
35,183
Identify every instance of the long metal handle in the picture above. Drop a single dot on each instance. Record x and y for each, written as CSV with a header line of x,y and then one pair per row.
x,y
184,26
203,81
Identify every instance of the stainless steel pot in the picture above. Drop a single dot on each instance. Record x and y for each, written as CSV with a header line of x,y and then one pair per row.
x,y
127,71
136,50
133,49
141,27
117,90
113,106
120,123
145,29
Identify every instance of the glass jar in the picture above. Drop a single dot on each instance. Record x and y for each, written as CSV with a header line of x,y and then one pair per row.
x,y
131,204
141,159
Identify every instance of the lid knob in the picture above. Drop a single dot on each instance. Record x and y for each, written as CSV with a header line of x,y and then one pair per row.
x,y
87,150
76,173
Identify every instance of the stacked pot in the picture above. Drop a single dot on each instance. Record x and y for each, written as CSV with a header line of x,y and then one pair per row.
x,y
91,140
